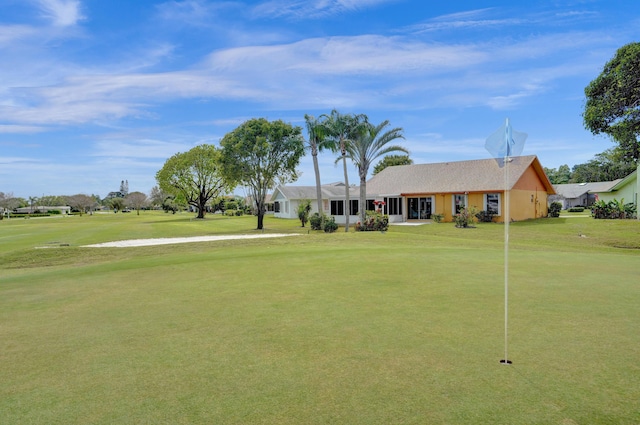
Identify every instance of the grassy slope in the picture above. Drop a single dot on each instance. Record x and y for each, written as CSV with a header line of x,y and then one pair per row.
x,y
401,327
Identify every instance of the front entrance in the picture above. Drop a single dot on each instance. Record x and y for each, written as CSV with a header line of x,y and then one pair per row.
x,y
420,208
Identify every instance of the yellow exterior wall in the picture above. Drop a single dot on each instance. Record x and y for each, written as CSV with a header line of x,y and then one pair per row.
x,y
528,199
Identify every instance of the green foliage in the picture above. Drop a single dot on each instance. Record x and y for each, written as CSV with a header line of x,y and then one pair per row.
x,y
258,154
613,101
485,216
330,225
374,221
391,160
304,208
576,209
613,210
317,221
466,217
194,177
554,209
437,218
371,142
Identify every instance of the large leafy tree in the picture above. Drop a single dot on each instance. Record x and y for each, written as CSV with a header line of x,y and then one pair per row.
x,y
391,160
259,154
194,177
613,101
341,130
368,146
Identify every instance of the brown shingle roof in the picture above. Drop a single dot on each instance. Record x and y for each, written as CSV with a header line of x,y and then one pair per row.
x,y
484,175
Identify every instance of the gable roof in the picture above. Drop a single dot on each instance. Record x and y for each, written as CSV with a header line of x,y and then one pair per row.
x,y
329,191
575,190
482,175
623,182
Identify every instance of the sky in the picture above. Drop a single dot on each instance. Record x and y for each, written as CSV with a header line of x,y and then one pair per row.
x,y
94,92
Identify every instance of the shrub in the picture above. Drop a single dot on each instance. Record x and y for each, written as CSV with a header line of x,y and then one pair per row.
x,y
239,213
54,212
372,222
613,210
466,217
485,216
330,225
554,209
304,208
230,213
576,209
437,217
317,221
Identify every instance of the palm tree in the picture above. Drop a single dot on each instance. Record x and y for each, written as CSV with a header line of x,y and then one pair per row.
x,y
317,143
370,145
342,130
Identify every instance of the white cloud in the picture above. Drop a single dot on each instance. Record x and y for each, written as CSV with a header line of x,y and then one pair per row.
x,y
145,148
311,9
62,13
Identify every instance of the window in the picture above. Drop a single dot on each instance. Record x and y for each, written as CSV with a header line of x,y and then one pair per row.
x,y
337,207
276,206
492,203
459,202
370,205
355,203
393,206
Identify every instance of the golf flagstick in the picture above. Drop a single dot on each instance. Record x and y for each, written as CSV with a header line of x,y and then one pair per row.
x,y
505,143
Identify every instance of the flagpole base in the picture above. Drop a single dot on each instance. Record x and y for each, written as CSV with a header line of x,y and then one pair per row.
x,y
503,361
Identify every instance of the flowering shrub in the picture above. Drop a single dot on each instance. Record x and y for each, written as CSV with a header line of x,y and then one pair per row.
x,y
466,217
372,222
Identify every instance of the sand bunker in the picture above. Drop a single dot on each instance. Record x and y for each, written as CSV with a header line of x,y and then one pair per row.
x,y
168,241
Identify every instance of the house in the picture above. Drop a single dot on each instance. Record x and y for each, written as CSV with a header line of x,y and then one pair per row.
x,y
417,192
43,209
626,189
286,200
579,194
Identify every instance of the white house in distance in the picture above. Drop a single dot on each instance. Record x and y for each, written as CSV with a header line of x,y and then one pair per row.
x,y
286,200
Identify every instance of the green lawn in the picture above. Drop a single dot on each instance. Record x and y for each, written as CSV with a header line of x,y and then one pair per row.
x,y
405,327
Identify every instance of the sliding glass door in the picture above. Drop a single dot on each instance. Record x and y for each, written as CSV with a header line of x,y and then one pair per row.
x,y
420,208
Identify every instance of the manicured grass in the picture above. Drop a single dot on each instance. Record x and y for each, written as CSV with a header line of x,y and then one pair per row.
x,y
359,328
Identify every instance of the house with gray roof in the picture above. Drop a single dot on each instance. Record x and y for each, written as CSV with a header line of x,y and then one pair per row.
x,y
625,189
286,200
579,194
418,191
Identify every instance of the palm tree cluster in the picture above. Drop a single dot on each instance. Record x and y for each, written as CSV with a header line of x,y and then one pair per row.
x,y
354,138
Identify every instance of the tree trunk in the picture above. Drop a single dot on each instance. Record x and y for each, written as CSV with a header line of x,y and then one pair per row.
x,y
260,220
318,188
363,198
347,210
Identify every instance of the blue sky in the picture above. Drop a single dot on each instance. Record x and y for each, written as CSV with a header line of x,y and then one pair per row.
x,y
93,92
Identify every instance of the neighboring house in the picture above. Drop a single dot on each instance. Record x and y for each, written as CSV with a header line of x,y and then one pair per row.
x,y
626,189
579,194
43,209
416,192
286,200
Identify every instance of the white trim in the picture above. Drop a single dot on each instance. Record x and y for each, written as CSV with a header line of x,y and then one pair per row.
x,y
465,201
484,202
